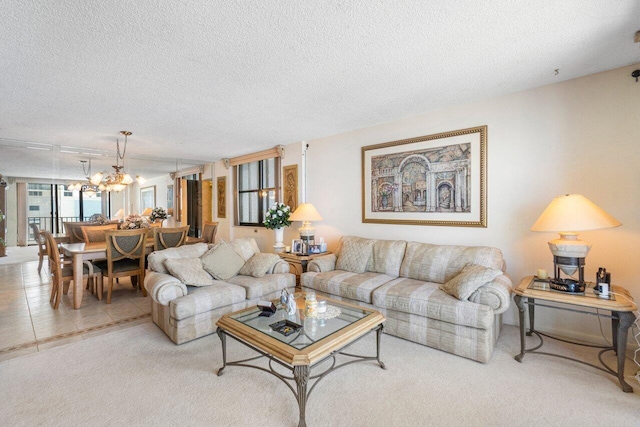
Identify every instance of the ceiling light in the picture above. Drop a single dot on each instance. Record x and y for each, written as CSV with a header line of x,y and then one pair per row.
x,y
119,179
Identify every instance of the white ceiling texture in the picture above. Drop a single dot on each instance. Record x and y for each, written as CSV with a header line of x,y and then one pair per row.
x,y
208,79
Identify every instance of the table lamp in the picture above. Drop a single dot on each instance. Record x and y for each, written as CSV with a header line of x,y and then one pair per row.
x,y
147,212
306,213
567,215
119,215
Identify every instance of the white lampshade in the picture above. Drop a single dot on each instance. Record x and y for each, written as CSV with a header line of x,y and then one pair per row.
x,y
126,179
96,178
305,212
119,215
573,212
147,212
567,215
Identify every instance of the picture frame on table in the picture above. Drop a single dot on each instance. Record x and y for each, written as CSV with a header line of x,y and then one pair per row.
x,y
438,179
296,246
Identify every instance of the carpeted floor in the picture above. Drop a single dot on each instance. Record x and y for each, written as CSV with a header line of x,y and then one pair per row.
x,y
138,377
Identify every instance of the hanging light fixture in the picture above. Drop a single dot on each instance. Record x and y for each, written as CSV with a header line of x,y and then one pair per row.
x,y
87,186
119,179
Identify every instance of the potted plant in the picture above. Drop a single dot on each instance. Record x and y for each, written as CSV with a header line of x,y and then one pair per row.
x,y
3,247
158,214
276,219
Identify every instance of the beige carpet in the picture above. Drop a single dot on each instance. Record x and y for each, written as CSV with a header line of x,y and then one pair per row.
x,y
138,377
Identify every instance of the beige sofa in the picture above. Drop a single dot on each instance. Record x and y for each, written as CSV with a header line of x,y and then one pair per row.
x,y
185,312
403,280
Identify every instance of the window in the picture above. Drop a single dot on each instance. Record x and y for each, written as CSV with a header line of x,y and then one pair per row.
x,y
258,184
35,193
67,194
34,207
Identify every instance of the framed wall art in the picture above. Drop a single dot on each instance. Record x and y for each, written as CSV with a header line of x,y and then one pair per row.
x,y
147,198
290,181
222,199
170,197
436,179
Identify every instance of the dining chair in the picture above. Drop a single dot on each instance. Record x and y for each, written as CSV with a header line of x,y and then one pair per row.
x,y
125,256
209,230
61,271
95,233
157,224
72,229
42,248
167,237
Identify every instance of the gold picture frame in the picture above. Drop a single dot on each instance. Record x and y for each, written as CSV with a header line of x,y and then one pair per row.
x,y
290,185
221,183
438,179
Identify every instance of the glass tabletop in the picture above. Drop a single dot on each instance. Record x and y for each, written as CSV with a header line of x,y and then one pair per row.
x,y
543,285
300,331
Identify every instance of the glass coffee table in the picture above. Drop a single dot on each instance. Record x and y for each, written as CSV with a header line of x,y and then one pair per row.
x,y
300,343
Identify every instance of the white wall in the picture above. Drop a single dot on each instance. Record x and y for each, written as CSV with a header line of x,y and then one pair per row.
x,y
580,136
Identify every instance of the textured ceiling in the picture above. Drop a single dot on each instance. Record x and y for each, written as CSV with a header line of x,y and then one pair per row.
x,y
211,79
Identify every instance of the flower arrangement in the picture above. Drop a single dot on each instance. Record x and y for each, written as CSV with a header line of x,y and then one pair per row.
x,y
157,214
134,221
277,216
99,218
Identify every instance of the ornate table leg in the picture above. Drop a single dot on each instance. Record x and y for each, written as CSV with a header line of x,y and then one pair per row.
x,y
520,303
614,330
301,375
626,319
532,315
223,338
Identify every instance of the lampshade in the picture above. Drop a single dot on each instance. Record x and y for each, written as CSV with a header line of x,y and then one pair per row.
x,y
305,212
573,212
147,212
119,214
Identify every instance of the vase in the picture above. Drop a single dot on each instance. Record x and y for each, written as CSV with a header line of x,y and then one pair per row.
x,y
279,246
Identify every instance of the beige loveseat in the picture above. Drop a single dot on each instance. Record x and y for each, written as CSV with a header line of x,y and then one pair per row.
x,y
403,280
186,312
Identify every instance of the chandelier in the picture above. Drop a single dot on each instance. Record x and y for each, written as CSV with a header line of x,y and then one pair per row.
x,y
118,179
86,186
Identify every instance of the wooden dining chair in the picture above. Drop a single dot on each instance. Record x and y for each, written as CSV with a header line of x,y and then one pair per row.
x,y
209,230
72,229
95,233
125,256
61,271
167,237
157,224
42,248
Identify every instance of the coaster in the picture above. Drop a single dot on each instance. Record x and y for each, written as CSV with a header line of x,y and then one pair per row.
x,y
330,313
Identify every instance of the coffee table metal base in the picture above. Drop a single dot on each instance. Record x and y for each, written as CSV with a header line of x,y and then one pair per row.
x,y
301,374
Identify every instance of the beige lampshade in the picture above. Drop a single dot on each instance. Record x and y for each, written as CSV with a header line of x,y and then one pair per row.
x,y
573,212
119,214
147,212
305,212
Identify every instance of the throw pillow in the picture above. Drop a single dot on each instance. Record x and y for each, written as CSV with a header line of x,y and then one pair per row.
x,y
354,254
189,271
469,280
222,262
259,264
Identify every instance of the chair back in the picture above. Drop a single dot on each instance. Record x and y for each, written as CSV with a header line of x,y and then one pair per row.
x,y
157,224
51,246
166,237
209,230
37,236
72,229
95,233
126,244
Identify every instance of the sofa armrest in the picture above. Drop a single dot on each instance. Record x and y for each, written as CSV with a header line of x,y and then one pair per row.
x,y
279,267
496,294
323,263
163,288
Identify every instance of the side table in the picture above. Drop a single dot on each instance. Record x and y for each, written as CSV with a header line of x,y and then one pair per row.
x,y
298,263
531,291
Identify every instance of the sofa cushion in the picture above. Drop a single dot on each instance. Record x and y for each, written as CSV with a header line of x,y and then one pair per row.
x,y
470,278
387,257
259,264
355,253
441,263
207,298
345,283
189,271
426,299
246,247
156,259
222,261
257,287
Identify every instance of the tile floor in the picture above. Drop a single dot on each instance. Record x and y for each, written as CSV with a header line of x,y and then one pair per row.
x,y
29,324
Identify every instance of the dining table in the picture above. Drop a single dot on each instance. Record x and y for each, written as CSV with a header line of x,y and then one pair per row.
x,y
80,252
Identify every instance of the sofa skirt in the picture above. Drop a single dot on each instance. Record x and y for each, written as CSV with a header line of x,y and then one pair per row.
x,y
201,324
